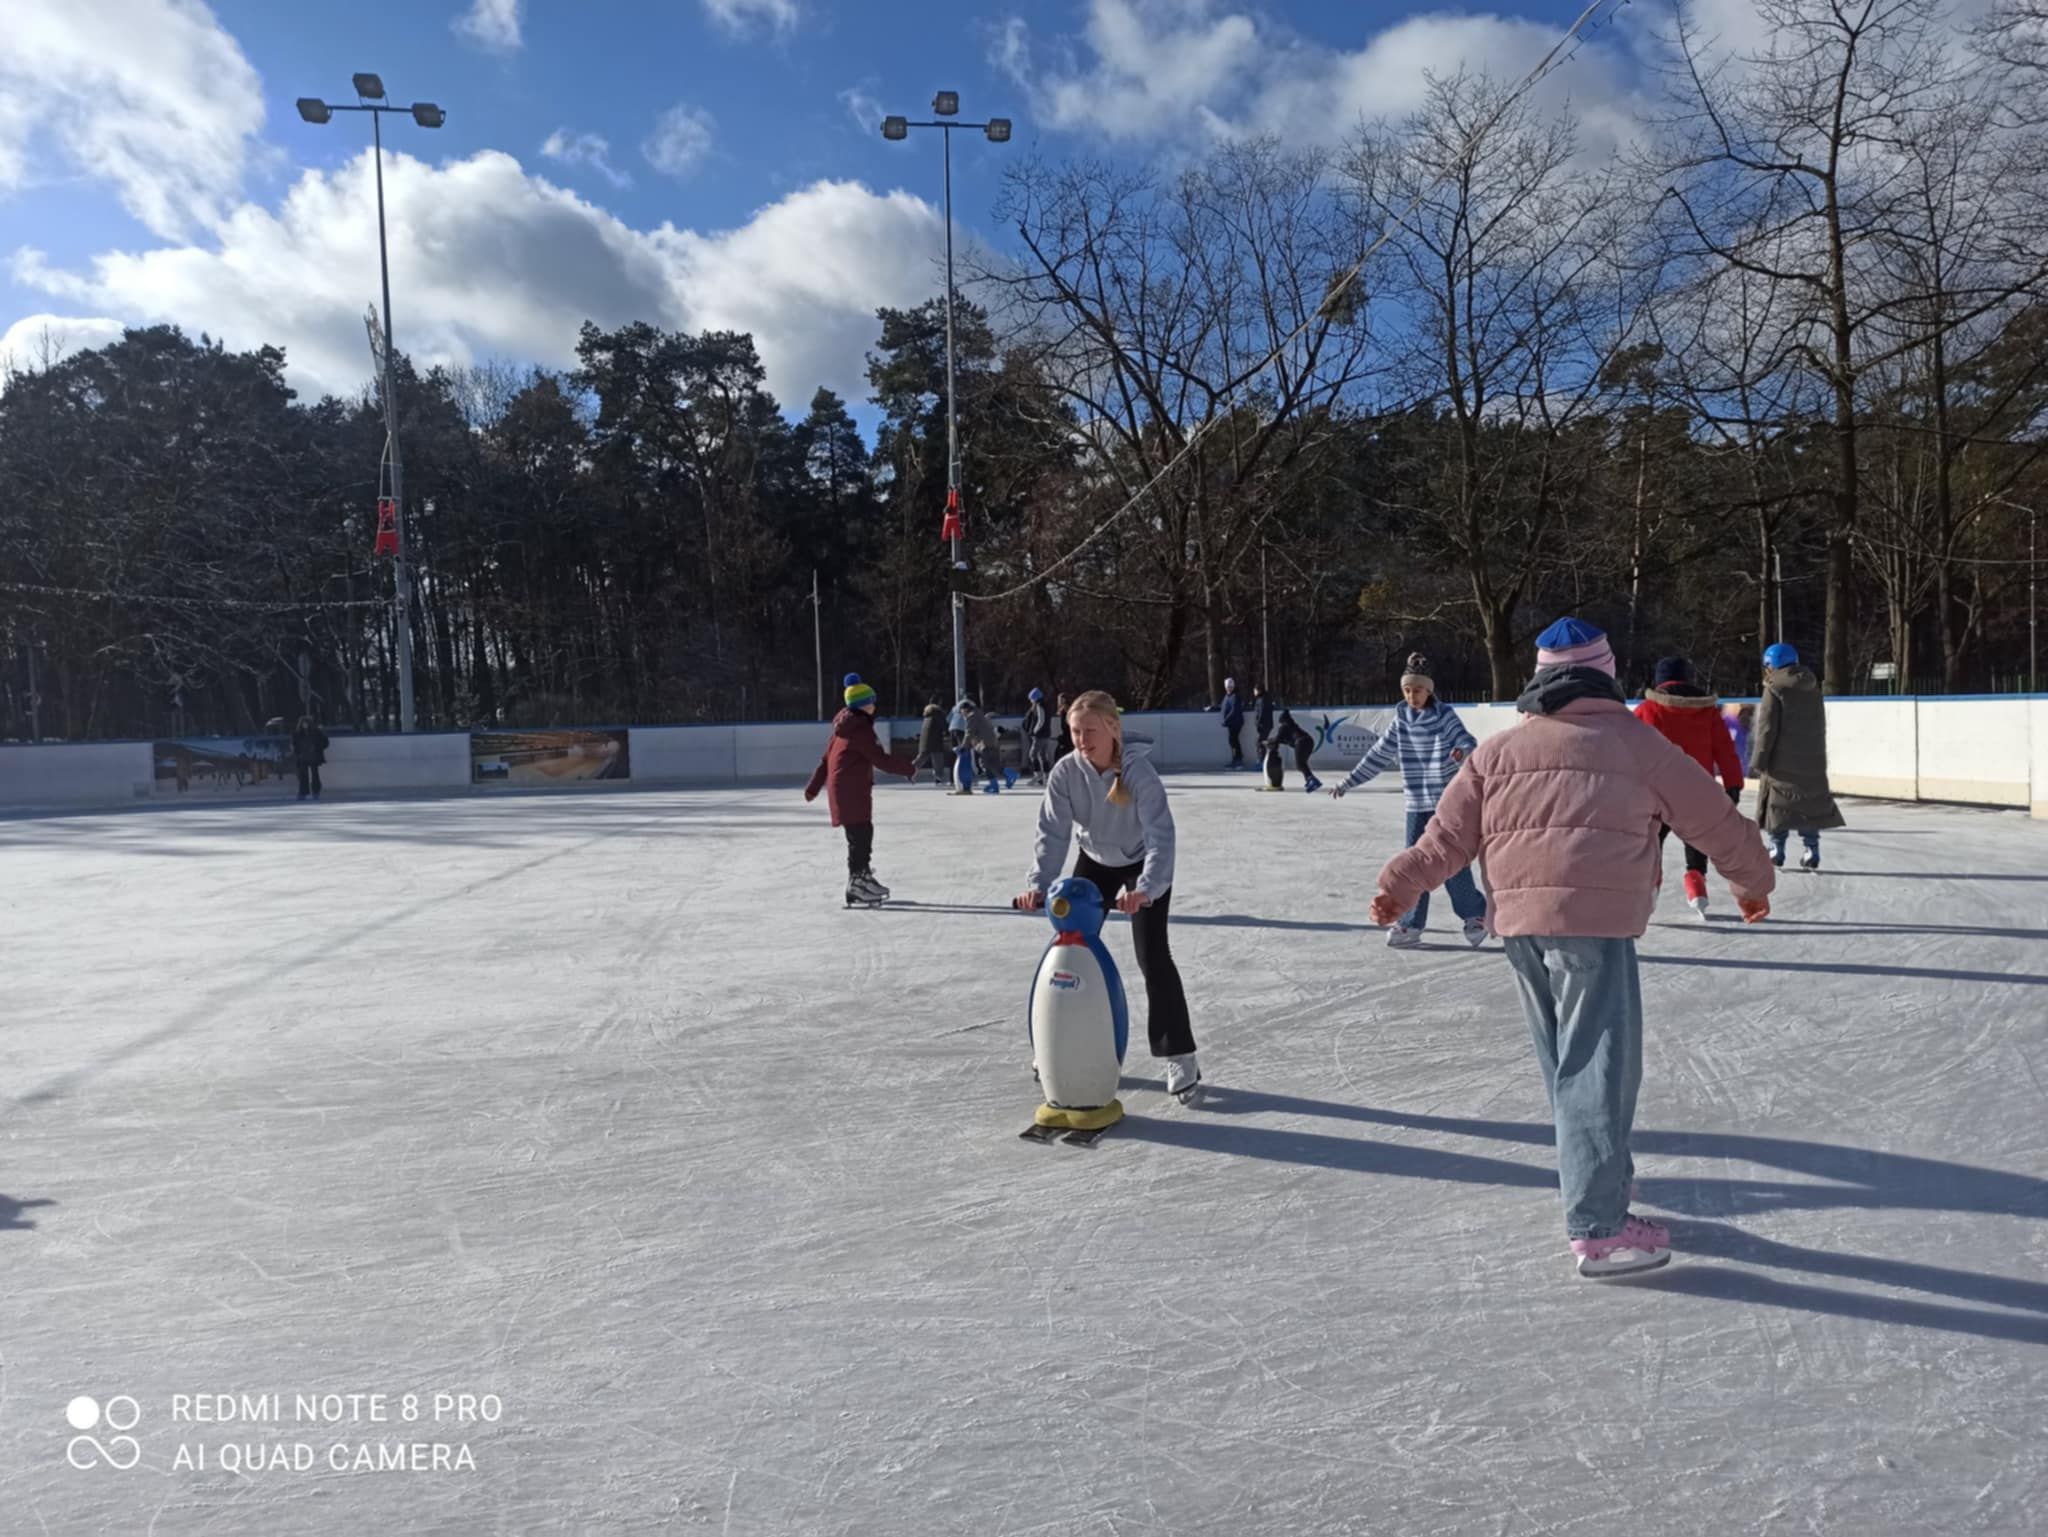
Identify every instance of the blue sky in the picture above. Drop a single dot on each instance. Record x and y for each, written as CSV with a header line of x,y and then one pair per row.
x,y
688,162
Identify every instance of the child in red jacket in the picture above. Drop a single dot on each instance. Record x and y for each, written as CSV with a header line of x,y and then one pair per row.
x,y
847,776
1689,717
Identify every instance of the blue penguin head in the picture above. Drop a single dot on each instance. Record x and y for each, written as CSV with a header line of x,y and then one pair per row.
x,y
1075,907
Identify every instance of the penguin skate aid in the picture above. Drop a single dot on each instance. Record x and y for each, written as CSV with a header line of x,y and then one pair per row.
x,y
1118,809
1078,1019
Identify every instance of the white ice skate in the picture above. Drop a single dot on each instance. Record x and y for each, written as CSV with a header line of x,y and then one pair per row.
x,y
1399,938
1638,1246
1809,859
874,885
1183,1077
861,891
1475,932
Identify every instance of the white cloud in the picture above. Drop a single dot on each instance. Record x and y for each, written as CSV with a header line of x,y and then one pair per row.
x,y
489,261
35,340
681,138
1163,70
492,25
591,149
737,15
152,96
864,107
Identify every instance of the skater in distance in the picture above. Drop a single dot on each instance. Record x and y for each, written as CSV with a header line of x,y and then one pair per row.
x,y
1126,830
1564,810
1788,757
1688,716
1427,741
846,774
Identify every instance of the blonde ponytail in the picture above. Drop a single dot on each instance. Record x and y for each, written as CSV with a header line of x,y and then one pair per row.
x,y
1103,706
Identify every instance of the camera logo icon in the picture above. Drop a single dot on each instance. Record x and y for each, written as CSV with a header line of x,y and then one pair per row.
x,y
120,1413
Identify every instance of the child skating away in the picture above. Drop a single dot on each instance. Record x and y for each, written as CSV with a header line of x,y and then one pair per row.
x,y
847,776
1788,757
931,745
1126,828
1564,808
1286,735
1427,742
1689,717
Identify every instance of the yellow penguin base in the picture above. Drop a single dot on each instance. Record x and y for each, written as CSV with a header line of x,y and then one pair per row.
x,y
1081,1120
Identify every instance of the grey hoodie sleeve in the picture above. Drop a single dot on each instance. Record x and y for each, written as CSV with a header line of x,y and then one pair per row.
x,y
1055,829
1155,820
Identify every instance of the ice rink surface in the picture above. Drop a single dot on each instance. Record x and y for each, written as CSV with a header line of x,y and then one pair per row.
x,y
603,1104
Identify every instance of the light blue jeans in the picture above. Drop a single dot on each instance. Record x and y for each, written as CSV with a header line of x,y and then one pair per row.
x,y
1466,900
1584,1003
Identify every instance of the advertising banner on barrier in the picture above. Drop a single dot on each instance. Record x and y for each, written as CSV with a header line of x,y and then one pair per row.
x,y
259,766
543,758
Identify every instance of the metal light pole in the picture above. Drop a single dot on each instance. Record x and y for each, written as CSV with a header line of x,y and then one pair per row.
x,y
818,642
945,107
370,93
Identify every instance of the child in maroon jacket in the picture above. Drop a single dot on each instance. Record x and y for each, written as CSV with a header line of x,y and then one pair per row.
x,y
1688,716
847,776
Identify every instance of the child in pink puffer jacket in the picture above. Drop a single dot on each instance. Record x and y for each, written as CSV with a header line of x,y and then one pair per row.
x,y
1564,811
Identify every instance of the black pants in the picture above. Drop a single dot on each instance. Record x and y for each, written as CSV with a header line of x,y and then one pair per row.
x,y
860,846
1695,861
309,779
1166,1022
1236,747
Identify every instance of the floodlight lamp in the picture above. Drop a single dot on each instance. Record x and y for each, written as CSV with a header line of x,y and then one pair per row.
x,y
895,127
368,86
314,110
427,115
998,130
947,104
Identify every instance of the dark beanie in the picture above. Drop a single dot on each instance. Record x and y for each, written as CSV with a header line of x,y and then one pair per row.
x,y
1673,669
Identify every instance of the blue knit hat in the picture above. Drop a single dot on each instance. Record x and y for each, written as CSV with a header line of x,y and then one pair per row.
x,y
1574,643
1673,669
1038,696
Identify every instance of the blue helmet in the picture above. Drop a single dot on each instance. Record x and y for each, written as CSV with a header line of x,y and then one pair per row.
x,y
1038,696
1781,655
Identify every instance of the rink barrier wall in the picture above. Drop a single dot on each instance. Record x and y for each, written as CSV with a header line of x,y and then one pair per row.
x,y
1989,750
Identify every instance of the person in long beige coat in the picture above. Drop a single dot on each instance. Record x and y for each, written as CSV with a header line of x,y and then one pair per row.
x,y
1788,758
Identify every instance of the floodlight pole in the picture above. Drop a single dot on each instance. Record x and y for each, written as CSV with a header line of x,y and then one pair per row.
x,y
427,115
997,131
399,574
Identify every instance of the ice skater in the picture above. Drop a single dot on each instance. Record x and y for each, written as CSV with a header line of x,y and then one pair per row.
x,y
309,752
1688,716
846,773
985,745
1126,831
1232,709
1037,732
1788,757
1427,741
931,745
1286,735
1564,809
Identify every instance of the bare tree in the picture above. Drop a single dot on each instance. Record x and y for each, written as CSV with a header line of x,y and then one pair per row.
x,y
1511,256
1185,325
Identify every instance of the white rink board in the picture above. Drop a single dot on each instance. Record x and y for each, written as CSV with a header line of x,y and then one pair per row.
x,y
603,1104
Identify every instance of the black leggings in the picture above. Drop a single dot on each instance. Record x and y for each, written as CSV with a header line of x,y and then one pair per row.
x,y
860,846
309,779
1166,1022
1695,861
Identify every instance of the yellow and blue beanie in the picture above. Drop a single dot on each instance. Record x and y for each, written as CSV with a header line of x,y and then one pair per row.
x,y
858,694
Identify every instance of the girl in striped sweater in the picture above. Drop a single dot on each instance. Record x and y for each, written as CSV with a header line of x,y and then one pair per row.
x,y
1427,741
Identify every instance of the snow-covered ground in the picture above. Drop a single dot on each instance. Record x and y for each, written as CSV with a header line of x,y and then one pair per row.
x,y
603,1105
